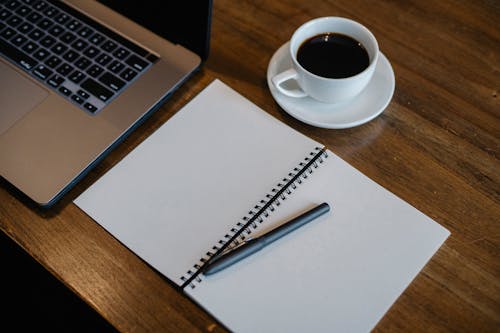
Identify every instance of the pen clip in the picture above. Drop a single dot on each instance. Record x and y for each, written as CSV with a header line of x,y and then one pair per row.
x,y
231,248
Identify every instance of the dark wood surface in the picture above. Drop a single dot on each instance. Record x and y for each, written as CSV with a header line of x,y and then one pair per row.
x,y
436,146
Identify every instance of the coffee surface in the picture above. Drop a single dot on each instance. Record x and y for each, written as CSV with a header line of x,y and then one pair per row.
x,y
333,55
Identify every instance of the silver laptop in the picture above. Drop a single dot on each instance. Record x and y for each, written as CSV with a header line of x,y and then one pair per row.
x,y
77,76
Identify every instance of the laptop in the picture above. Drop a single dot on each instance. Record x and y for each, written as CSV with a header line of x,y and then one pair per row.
x,y
77,76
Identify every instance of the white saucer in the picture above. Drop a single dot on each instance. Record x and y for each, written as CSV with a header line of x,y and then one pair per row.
x,y
363,108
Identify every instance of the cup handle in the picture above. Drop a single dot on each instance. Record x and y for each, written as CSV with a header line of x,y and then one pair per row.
x,y
290,74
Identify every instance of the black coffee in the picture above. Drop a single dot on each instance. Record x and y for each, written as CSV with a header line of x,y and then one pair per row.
x,y
333,55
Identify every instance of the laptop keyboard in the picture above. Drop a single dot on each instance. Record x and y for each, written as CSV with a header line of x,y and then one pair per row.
x,y
80,59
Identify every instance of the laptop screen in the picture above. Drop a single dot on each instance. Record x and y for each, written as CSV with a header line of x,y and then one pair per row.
x,y
185,22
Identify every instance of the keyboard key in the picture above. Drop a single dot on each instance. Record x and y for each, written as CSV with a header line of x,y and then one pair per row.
x,y
83,94
48,41
51,12
77,99
82,63
121,53
97,39
73,25
17,56
41,54
40,5
25,27
23,11
8,33
128,74
116,67
53,62
59,48
62,18
14,21
112,81
76,76
44,23
19,40
79,45
91,52
29,47
103,59
42,71
67,37
71,55
56,80
90,107
56,30
85,32
13,4
97,89
4,14
109,46
95,71
65,91
34,17
36,34
136,62
64,69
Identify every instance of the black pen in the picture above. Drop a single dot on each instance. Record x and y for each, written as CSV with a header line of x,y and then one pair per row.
x,y
227,259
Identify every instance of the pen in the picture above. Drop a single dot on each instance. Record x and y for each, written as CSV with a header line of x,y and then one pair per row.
x,y
225,260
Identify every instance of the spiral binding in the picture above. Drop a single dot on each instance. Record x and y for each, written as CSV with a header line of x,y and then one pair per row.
x,y
242,230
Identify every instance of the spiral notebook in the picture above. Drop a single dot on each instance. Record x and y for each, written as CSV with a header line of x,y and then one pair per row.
x,y
222,170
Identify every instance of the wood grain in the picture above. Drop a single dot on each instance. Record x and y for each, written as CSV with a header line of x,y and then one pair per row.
x,y
436,146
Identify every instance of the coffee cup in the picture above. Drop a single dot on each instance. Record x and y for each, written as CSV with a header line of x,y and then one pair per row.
x,y
333,59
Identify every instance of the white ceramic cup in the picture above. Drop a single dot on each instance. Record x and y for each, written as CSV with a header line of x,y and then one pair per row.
x,y
327,90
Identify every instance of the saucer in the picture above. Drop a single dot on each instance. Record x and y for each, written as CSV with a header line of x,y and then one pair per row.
x,y
363,108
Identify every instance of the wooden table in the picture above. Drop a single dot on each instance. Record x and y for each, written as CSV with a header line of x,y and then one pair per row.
x,y
436,146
